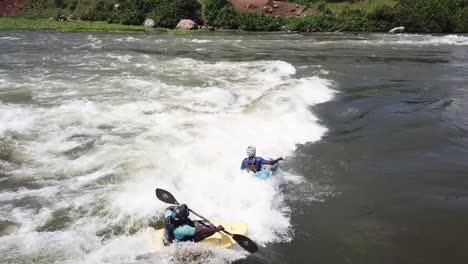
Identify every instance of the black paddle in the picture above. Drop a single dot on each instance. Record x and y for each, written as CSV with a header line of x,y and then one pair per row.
x,y
243,241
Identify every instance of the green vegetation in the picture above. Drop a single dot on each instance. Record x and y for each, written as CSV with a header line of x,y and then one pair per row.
x,y
82,9
415,15
430,15
166,13
221,14
334,15
25,23
366,5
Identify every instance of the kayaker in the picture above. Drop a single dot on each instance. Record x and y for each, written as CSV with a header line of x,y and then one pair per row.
x,y
179,227
254,164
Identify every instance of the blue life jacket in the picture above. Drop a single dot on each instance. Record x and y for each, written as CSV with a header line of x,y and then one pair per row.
x,y
251,166
170,225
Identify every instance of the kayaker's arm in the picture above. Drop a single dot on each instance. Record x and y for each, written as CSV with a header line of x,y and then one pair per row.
x,y
203,233
272,162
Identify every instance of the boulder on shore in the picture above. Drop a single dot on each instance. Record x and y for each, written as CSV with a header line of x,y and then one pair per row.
x,y
149,23
397,30
187,24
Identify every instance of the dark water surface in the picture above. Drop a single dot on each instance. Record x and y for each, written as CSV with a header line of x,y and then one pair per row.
x,y
392,167
396,152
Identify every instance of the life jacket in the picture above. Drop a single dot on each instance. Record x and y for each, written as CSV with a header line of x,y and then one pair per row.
x,y
170,225
251,166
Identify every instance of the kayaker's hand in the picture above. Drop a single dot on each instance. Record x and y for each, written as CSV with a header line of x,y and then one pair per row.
x,y
220,228
280,158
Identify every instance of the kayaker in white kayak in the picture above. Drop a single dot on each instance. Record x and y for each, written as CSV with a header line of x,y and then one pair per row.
x,y
179,227
253,163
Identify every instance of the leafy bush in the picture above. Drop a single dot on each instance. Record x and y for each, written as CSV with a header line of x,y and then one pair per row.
x,y
227,18
461,20
212,9
167,13
84,9
259,22
384,17
317,23
133,12
355,20
428,15
91,9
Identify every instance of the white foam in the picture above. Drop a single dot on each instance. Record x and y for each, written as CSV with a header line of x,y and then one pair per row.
x,y
201,41
9,38
15,119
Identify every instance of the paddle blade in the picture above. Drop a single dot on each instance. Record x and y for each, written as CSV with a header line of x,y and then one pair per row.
x,y
245,243
165,196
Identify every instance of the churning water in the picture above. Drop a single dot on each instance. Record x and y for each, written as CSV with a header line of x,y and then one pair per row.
x,y
92,123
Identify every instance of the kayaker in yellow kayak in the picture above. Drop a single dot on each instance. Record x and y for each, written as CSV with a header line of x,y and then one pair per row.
x,y
179,227
253,163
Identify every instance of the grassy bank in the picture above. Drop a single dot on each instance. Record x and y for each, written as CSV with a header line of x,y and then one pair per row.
x,y
25,23
20,23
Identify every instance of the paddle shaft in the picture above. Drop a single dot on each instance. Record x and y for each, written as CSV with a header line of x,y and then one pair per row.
x,y
208,221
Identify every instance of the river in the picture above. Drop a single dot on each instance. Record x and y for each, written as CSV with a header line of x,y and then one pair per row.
x,y
372,128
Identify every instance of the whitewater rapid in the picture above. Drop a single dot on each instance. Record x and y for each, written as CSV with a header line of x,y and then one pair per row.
x,y
96,131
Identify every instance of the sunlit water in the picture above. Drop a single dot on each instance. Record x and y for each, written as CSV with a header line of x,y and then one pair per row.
x,y
92,123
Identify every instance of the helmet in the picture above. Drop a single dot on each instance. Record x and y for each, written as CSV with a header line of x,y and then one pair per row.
x,y
180,213
251,151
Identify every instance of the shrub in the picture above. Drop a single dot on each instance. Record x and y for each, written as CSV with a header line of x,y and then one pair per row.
x,y
384,17
355,20
259,22
428,15
461,20
211,10
317,23
91,10
227,18
132,12
167,13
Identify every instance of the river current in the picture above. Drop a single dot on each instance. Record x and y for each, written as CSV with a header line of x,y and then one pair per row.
x,y
372,127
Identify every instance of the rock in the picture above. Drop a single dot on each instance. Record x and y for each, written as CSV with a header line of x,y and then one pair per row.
x,y
51,18
149,23
292,10
397,30
70,18
116,7
250,6
268,9
187,24
275,6
283,28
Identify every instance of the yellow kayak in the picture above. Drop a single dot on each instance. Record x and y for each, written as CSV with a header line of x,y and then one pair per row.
x,y
219,239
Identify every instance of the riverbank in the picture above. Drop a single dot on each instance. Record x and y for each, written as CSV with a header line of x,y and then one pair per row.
x,y
11,23
20,23
419,16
